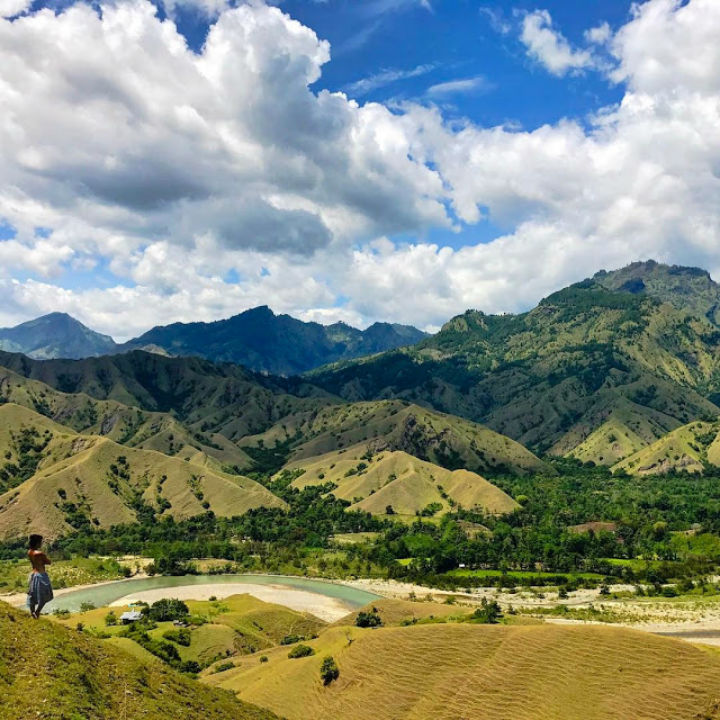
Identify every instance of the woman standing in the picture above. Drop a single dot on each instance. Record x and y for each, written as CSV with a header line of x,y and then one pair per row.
x,y
40,590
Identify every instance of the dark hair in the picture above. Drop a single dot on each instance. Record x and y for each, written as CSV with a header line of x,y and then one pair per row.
x,y
35,542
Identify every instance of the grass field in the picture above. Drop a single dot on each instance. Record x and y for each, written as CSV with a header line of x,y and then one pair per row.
x,y
450,671
236,626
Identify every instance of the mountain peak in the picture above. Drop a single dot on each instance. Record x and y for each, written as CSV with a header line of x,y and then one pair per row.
x,y
55,335
685,288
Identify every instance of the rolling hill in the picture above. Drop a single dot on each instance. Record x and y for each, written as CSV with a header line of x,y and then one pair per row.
x,y
442,439
57,480
48,671
276,344
689,448
374,482
56,335
450,671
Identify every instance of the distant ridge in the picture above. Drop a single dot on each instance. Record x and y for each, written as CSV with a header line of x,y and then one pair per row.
x,y
257,338
277,344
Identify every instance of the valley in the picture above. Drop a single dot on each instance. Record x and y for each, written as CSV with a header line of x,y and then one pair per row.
x,y
543,486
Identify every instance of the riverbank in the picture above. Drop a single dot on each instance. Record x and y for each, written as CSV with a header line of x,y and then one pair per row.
x,y
326,608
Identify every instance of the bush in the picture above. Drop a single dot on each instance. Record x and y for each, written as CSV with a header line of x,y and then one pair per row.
x,y
291,639
168,609
190,666
111,619
368,619
263,658
222,667
86,606
329,670
180,636
300,651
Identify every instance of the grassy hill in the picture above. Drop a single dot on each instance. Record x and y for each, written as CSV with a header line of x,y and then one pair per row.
x,y
552,377
689,448
75,481
442,439
232,628
48,671
450,671
372,482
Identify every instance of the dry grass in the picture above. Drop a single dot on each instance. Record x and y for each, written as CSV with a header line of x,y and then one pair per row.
x,y
453,672
374,481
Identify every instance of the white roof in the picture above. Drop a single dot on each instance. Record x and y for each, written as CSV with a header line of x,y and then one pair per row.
x,y
132,615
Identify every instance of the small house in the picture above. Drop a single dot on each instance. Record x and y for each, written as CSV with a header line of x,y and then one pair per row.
x,y
131,616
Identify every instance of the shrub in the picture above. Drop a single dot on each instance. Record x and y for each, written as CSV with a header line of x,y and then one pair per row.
x,y
263,658
368,619
291,639
190,666
300,651
111,619
329,670
222,667
181,636
86,606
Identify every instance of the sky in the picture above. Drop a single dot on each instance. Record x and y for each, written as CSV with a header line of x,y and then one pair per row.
x,y
355,160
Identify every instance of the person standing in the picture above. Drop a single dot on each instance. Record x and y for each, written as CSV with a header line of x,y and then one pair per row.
x,y
40,590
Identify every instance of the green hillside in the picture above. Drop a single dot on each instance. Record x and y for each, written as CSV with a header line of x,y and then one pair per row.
x,y
374,482
689,448
552,377
442,439
48,671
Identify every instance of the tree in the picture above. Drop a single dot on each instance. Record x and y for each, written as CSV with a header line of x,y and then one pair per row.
x,y
168,609
329,670
488,613
111,619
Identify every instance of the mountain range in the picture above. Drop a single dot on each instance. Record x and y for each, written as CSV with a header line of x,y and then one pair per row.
x,y
256,338
621,370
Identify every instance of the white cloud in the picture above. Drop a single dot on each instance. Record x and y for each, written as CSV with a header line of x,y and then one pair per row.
x,y
175,168
386,77
547,45
461,86
11,8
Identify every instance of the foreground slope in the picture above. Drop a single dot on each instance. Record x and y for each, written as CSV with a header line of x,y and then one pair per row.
x,y
83,480
451,671
47,671
372,482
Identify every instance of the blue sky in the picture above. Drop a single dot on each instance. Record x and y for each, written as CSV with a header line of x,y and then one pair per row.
x,y
343,159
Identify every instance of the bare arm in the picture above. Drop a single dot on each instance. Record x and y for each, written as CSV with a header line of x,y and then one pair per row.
x,y
46,559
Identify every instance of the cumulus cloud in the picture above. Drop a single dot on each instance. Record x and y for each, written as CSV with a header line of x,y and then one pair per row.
x,y
292,188
11,8
550,48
